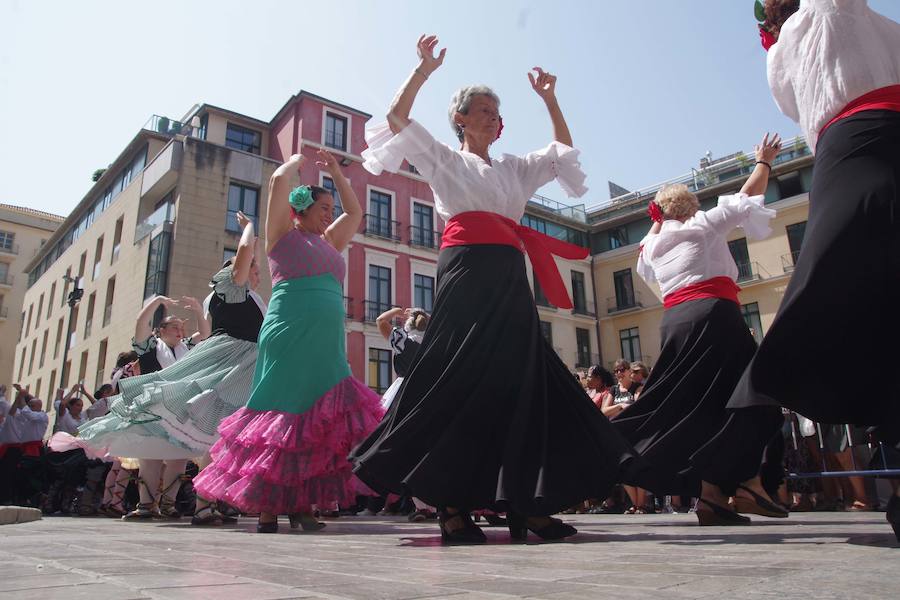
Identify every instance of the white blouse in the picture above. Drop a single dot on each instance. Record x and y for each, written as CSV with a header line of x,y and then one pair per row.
x,y
682,254
32,425
68,423
829,53
462,181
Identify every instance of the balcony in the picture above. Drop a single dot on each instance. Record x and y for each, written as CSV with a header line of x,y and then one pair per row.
x,y
163,214
575,212
373,308
7,280
348,307
585,308
789,261
9,249
167,126
107,315
424,238
748,271
381,227
161,174
625,303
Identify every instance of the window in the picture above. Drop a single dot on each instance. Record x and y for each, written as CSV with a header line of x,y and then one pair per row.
x,y
7,241
579,300
117,240
378,221
37,316
110,296
630,342
59,331
328,184
81,265
379,370
50,300
741,256
89,316
28,323
547,331
335,131
101,365
31,358
795,235
379,299
5,279
67,372
245,199
73,326
624,289
539,297
241,138
43,349
789,184
22,365
51,389
618,237
583,347
422,233
228,254
98,256
82,368
65,294
37,388
21,327
156,280
423,292
751,317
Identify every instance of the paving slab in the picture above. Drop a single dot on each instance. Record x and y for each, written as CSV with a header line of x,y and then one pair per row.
x,y
826,555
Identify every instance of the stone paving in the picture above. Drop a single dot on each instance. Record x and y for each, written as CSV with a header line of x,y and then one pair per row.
x,y
810,555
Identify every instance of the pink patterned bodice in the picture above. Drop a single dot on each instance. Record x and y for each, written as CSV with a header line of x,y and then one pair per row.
x,y
300,254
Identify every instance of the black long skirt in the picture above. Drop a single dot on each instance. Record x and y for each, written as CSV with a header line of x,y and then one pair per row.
x,y
680,423
488,416
840,316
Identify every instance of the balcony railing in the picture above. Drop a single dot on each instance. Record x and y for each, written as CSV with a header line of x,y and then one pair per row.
x,y
348,307
107,315
7,279
424,238
381,227
575,212
9,249
373,308
617,304
789,261
748,271
167,126
163,214
584,308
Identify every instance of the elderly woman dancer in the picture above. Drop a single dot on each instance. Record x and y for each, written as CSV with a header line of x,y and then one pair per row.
x,y
461,433
678,420
835,68
287,449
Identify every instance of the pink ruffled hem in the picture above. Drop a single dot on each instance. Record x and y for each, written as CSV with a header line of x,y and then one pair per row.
x,y
277,462
62,442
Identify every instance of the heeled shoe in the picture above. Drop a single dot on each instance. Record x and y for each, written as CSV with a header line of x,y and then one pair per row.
x,y
893,515
554,530
267,527
495,520
718,516
306,521
759,505
467,533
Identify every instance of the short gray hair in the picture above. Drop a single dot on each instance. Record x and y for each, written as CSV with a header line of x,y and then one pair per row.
x,y
461,101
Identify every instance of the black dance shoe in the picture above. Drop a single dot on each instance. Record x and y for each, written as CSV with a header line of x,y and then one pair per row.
x,y
719,516
893,514
554,530
758,505
464,532
267,527
306,521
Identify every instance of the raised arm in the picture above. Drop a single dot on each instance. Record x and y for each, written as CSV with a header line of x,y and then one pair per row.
x,y
398,116
279,217
544,85
240,271
384,321
142,329
341,231
765,152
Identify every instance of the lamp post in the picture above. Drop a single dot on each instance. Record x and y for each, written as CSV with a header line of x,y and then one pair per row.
x,y
72,300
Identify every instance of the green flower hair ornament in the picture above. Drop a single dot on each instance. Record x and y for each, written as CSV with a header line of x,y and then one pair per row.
x,y
301,198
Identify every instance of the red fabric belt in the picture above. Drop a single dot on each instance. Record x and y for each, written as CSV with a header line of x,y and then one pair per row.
x,y
28,448
480,227
717,287
886,98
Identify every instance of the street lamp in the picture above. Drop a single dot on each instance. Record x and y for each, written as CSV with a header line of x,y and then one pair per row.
x,y
72,300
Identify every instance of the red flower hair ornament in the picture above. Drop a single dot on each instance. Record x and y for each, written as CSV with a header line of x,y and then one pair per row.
x,y
765,36
655,212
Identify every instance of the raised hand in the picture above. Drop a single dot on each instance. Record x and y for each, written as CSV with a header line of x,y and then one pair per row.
x,y
168,302
768,149
192,304
428,62
243,220
328,162
543,83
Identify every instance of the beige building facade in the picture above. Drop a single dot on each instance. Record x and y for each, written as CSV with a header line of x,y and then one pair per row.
x,y
23,232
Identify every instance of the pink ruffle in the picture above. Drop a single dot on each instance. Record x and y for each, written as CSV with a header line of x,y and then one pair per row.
x,y
62,442
277,462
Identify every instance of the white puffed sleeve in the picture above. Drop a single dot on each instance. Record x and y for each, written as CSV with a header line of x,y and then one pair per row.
x,y
740,210
644,269
556,161
387,150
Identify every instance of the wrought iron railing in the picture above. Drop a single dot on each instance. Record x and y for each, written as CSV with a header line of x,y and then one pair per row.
x,y
382,227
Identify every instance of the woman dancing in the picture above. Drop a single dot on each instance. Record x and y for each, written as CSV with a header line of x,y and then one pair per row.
x,y
286,450
678,418
835,68
461,433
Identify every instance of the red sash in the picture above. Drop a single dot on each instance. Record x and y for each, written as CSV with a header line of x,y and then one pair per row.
x,y
479,227
886,98
28,448
717,287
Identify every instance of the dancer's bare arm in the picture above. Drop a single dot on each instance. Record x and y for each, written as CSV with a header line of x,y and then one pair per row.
x,y
398,116
279,217
240,271
544,85
766,152
341,231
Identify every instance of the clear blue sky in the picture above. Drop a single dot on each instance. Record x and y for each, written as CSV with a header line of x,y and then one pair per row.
x,y
648,86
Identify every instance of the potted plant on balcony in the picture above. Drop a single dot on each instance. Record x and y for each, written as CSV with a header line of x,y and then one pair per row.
x,y
162,125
